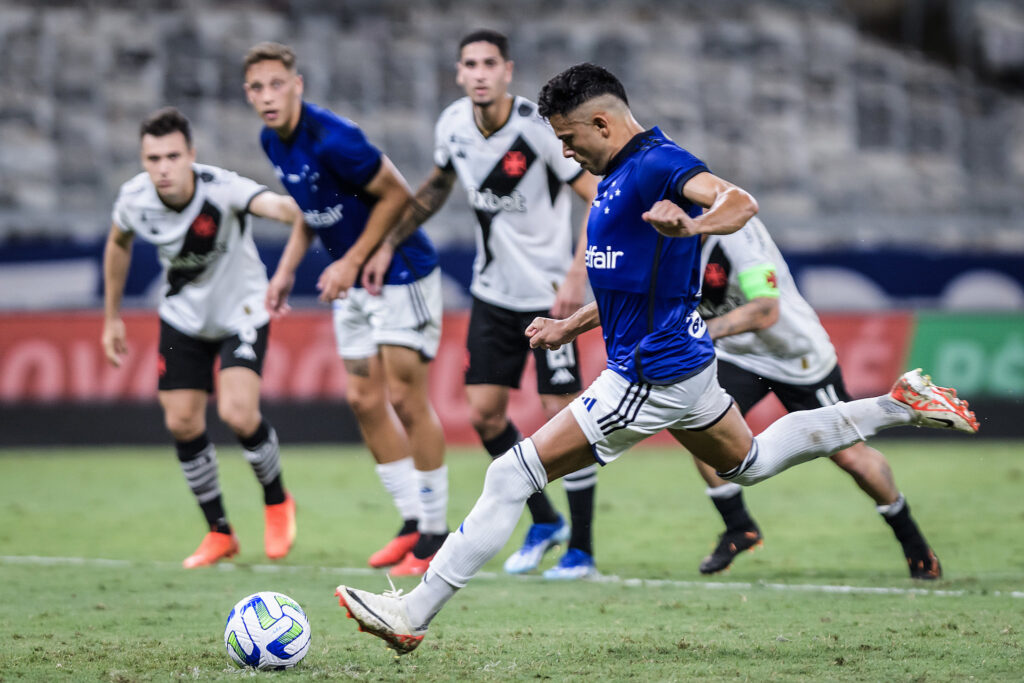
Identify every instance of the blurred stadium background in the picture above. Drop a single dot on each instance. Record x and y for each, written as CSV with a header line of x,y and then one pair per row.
x,y
884,140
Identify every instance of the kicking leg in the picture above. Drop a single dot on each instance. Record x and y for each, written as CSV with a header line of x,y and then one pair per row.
x,y
808,434
558,448
488,405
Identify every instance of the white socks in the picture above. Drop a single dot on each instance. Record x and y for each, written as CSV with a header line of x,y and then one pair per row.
x,y
581,479
892,508
433,493
510,480
399,479
727,490
807,434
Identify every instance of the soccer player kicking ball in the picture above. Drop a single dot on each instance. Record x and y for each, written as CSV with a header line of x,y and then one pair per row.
x,y
351,195
211,307
646,223
511,164
769,339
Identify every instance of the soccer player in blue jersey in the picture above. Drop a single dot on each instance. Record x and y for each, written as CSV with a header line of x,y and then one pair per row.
x,y
517,181
654,202
351,195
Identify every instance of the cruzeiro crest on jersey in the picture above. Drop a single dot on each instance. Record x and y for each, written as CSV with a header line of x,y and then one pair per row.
x,y
198,250
498,190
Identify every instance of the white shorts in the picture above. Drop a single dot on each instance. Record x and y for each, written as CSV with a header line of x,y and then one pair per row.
x,y
616,414
403,315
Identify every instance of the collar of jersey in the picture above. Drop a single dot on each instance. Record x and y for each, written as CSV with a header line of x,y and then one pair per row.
x,y
298,126
635,143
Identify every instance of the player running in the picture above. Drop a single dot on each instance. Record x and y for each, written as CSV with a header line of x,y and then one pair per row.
x,y
644,227
351,195
512,168
768,339
211,306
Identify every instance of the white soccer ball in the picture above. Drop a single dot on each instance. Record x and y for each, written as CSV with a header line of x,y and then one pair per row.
x,y
267,630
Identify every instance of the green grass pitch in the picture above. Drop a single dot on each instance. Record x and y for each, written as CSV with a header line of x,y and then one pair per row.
x,y
91,542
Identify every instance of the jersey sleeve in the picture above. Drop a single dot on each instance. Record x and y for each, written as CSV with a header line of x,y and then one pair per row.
x,y
350,155
664,173
442,153
241,190
754,267
121,215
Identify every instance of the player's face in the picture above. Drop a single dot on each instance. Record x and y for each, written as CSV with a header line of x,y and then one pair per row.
x,y
168,161
483,73
582,141
275,93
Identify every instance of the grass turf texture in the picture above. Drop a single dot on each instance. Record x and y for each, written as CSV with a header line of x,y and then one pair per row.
x,y
143,618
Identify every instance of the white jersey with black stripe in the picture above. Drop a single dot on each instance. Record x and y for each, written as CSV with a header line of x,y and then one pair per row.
x,y
214,281
516,181
796,349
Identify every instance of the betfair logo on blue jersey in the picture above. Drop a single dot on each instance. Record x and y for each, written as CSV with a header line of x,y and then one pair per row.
x,y
325,218
602,260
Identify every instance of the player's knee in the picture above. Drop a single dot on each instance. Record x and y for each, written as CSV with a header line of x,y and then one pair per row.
x,y
408,403
363,398
488,423
240,416
184,426
506,478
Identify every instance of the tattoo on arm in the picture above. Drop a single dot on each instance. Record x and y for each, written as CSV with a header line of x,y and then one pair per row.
x,y
424,204
360,367
432,195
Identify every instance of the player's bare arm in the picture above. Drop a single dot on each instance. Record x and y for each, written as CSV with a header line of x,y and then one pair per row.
x,y
547,333
283,208
728,208
757,314
393,195
117,257
570,294
427,201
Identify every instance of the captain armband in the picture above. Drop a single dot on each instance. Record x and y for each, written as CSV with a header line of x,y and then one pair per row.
x,y
759,282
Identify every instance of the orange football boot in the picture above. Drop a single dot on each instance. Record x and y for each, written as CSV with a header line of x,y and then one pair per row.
x,y
279,528
411,565
214,547
397,548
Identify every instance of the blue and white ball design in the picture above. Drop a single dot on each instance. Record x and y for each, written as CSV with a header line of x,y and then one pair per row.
x,y
267,630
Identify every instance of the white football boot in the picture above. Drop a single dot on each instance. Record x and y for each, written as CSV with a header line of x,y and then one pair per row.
x,y
933,406
382,615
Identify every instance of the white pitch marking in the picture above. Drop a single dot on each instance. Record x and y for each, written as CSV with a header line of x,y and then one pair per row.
x,y
37,560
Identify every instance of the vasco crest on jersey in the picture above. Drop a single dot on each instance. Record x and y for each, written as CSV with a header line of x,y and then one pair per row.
x,y
198,251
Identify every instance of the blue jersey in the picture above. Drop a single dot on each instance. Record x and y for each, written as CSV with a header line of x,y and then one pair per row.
x,y
646,285
325,165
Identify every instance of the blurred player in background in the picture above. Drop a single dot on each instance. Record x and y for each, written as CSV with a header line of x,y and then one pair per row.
x,y
511,164
768,339
211,307
351,195
661,371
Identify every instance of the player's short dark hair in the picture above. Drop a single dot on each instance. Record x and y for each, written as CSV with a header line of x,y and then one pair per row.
x,y
166,121
486,35
576,85
269,51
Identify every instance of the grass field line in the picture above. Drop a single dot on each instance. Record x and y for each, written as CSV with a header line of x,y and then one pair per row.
x,y
39,560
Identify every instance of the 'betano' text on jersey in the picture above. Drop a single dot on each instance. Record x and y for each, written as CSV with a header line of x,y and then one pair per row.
x,y
647,286
325,165
796,349
214,281
516,182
